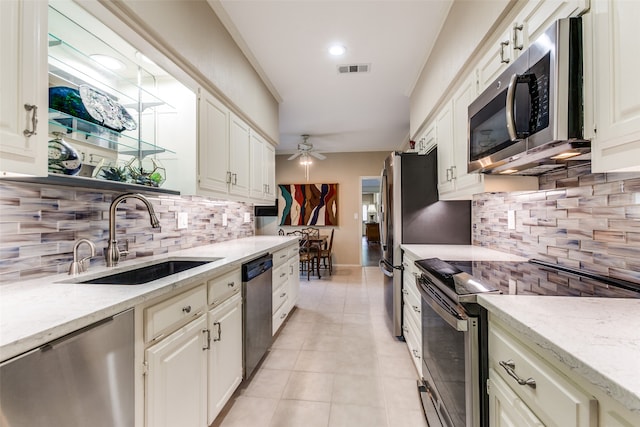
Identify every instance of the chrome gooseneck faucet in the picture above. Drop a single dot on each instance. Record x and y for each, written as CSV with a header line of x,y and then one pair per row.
x,y
112,253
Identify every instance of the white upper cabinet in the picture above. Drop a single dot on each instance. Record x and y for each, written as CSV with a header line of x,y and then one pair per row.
x,y
262,169
23,85
530,22
427,140
234,160
446,169
616,105
213,144
239,156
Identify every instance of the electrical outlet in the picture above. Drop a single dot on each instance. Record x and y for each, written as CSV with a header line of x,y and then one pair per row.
x,y
182,220
511,220
247,217
224,220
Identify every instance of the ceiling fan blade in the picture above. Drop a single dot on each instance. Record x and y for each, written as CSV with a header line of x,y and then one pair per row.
x,y
318,155
294,156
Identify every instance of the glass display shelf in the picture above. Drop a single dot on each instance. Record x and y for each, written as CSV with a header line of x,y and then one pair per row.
x,y
95,134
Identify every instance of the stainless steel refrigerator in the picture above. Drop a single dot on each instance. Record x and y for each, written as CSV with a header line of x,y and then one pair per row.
x,y
411,213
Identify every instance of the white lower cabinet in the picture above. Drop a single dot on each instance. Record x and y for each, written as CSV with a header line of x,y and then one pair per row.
x,y
176,378
532,382
193,355
506,409
225,353
285,284
412,311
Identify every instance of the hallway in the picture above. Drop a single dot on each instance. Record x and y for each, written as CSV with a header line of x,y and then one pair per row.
x,y
333,364
371,253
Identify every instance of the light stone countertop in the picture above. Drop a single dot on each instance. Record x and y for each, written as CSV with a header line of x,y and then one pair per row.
x,y
37,311
597,339
459,253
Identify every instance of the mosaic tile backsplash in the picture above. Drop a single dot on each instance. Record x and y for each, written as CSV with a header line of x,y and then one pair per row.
x,y
40,224
579,219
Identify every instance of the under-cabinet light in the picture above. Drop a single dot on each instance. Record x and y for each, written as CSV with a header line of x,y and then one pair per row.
x,y
108,61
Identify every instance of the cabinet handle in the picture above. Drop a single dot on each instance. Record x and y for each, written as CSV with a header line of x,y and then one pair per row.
x,y
231,284
284,294
219,331
34,120
448,174
416,354
405,292
235,178
283,315
405,329
510,367
186,309
207,332
283,274
228,177
453,173
416,308
517,28
503,60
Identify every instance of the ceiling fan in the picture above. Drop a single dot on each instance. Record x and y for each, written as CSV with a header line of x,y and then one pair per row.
x,y
305,149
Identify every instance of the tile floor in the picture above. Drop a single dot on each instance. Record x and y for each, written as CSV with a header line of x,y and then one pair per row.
x,y
333,364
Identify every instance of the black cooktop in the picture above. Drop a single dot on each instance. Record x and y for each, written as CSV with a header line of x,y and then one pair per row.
x,y
540,278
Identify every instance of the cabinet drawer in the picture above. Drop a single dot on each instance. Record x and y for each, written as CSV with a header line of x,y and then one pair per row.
x,y
222,287
280,275
555,399
162,318
414,343
279,296
294,250
280,256
278,318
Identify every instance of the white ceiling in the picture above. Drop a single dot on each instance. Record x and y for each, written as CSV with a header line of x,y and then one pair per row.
x,y
287,40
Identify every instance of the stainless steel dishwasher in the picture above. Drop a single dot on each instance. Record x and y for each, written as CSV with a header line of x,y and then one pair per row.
x,y
256,311
82,379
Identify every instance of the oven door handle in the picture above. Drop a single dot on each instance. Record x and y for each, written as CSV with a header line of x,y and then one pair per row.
x,y
460,325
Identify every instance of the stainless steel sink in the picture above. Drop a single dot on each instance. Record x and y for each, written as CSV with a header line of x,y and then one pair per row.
x,y
148,273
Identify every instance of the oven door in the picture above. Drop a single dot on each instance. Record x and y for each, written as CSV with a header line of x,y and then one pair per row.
x,y
450,361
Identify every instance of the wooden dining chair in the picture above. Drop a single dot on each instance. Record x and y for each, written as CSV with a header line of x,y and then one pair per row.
x,y
309,253
325,255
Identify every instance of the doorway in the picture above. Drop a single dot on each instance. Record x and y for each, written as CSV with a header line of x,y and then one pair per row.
x,y
371,249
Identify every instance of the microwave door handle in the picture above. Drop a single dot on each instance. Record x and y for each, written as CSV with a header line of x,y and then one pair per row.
x,y
511,102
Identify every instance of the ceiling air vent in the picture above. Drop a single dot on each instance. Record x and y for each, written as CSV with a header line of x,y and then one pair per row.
x,y
354,68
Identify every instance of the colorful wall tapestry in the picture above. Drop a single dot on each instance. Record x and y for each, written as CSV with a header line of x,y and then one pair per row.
x,y
308,204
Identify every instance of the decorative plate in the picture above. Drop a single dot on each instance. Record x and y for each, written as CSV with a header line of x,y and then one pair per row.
x,y
105,110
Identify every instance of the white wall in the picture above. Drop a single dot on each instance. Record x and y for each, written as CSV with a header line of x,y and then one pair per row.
x,y
467,25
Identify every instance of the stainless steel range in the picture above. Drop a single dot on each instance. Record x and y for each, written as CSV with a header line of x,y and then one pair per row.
x,y
454,326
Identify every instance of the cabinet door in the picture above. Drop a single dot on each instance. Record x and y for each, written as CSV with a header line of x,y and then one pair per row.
x,y
213,144
239,156
176,381
269,161
537,16
461,100
495,61
23,84
293,281
444,125
225,355
505,408
428,139
257,167
617,106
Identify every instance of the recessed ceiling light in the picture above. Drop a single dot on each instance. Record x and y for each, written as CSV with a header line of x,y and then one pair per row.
x,y
108,61
337,50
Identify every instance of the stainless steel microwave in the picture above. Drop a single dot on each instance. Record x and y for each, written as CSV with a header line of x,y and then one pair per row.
x,y
531,118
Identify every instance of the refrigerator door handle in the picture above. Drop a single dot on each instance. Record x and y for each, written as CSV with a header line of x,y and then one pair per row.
x,y
383,267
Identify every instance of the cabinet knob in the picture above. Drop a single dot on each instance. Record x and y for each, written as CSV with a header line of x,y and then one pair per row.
x,y
231,284
186,309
